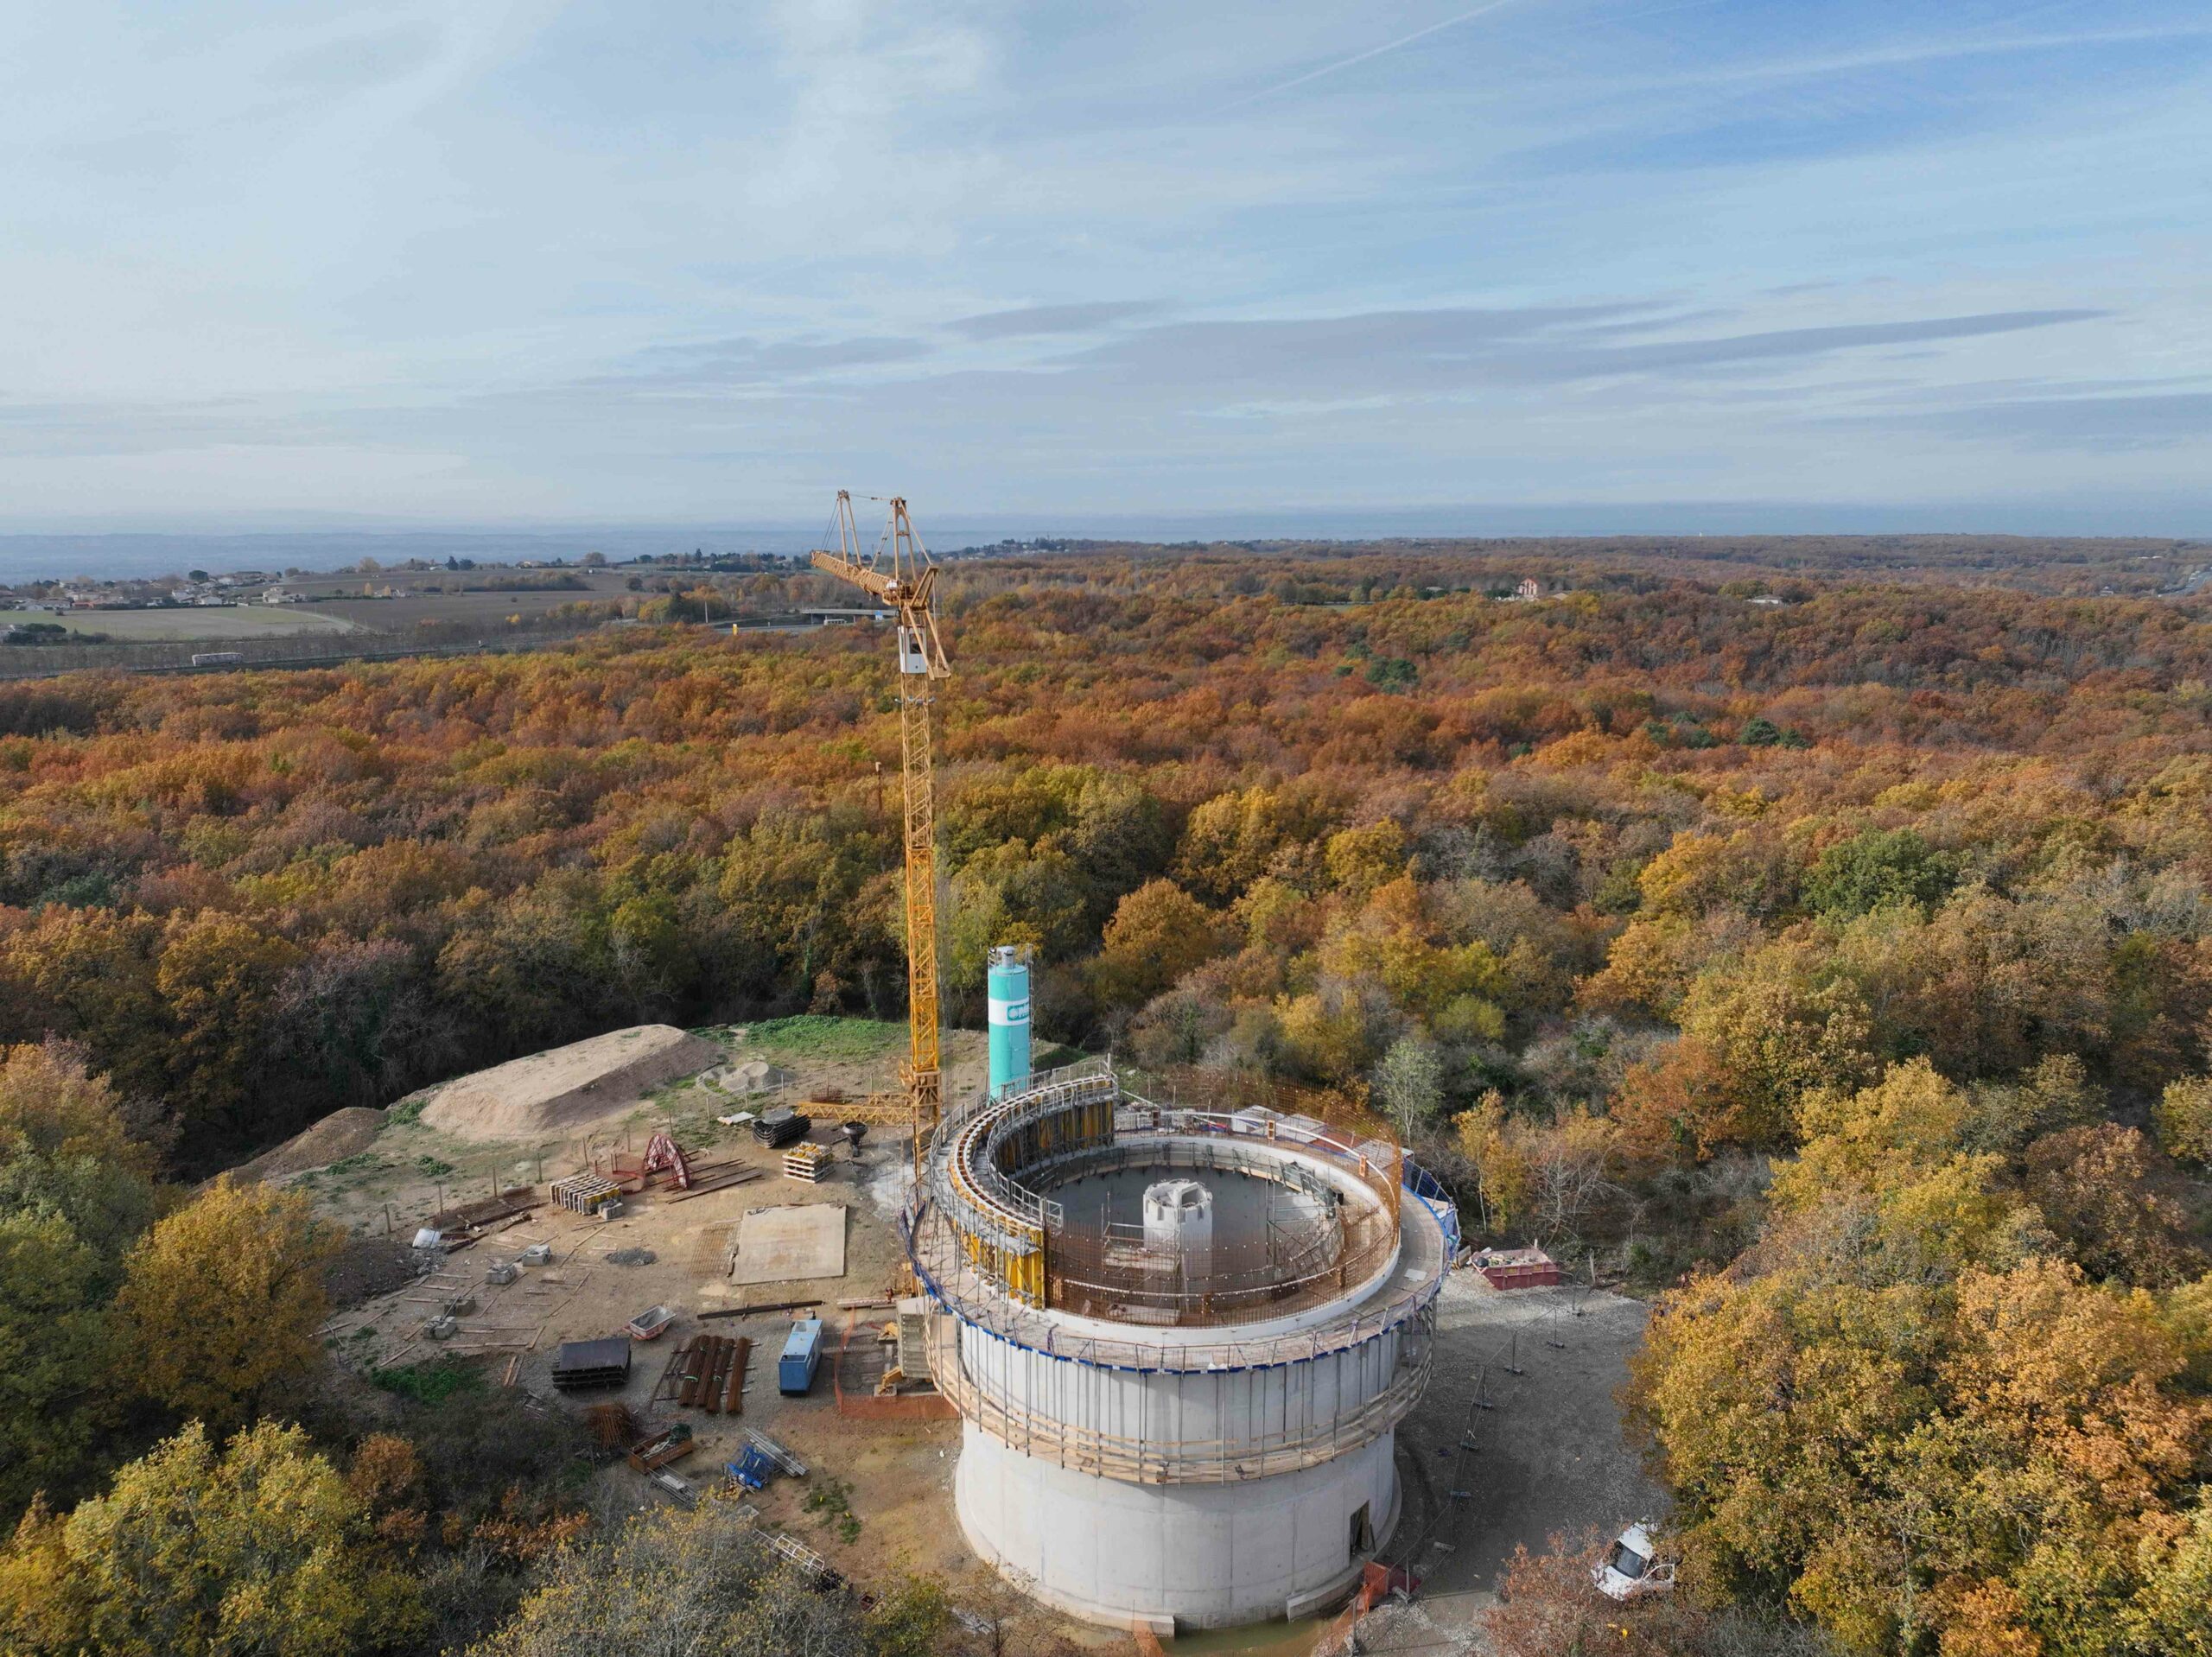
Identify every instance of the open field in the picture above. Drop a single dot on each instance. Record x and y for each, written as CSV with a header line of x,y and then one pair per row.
x,y
241,621
478,609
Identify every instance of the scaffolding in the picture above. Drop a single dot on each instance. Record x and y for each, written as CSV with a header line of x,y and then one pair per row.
x,y
993,1169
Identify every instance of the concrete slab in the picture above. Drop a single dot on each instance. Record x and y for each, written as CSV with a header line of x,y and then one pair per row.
x,y
779,1245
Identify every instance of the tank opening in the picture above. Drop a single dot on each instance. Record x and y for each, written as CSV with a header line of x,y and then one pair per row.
x,y
1212,1232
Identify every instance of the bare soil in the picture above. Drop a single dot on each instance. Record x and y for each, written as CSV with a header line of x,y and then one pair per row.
x,y
340,1134
1549,1454
901,1472
559,1092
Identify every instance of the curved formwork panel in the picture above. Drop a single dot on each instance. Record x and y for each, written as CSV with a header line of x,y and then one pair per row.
x,y
1204,1423
1203,1555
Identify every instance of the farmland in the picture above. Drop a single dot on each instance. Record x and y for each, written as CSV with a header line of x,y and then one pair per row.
x,y
204,624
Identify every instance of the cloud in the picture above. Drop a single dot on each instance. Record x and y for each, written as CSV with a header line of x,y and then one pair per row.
x,y
365,60
2154,421
1440,352
1361,57
754,362
1038,320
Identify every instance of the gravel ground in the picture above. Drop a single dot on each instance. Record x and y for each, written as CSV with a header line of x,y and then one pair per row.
x,y
1548,1456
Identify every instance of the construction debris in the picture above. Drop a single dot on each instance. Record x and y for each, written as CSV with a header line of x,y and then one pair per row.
x,y
810,1564
463,1225
750,1311
611,1425
1517,1268
671,1444
716,1177
650,1324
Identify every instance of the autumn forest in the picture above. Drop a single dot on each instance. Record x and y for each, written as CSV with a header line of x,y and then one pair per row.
x,y
1828,956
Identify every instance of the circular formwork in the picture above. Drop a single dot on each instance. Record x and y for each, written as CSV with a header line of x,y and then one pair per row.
x,y
1199,1443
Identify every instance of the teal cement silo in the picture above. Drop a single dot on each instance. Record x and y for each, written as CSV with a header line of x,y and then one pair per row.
x,y
1009,988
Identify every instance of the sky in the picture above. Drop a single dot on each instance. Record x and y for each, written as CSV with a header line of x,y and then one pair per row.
x,y
1594,264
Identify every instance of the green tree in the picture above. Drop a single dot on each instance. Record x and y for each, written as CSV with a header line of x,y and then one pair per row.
x,y
1876,868
1409,1083
54,1356
75,1192
1159,932
220,976
1901,1415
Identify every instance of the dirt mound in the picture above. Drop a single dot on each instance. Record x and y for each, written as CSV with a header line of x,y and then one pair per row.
x,y
342,1133
553,1094
367,1267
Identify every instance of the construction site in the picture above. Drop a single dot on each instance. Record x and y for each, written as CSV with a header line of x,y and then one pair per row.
x,y
1173,1356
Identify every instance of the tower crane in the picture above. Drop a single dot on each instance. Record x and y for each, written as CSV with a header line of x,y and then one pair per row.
x,y
900,574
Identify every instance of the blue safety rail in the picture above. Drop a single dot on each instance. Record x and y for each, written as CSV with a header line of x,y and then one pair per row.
x,y
1426,1185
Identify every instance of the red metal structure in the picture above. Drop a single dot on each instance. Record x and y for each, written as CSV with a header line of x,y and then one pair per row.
x,y
662,1157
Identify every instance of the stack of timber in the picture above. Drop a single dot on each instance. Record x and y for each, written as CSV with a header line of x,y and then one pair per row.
x,y
808,1162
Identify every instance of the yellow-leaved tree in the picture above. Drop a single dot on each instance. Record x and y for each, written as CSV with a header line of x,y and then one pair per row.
x,y
2184,1118
193,1554
1904,1414
75,1190
1159,932
223,1299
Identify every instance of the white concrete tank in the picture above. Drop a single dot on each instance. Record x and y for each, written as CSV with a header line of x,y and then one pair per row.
x,y
1198,1448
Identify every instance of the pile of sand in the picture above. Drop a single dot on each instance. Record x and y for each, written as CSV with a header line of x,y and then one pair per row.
x,y
342,1133
554,1094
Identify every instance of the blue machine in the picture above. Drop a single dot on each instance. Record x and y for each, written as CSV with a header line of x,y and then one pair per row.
x,y
1009,987
752,1469
801,1356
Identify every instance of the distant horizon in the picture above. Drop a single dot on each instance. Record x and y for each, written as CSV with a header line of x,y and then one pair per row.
x,y
123,550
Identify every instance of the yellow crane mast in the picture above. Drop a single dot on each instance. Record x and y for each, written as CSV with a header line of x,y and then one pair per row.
x,y
899,574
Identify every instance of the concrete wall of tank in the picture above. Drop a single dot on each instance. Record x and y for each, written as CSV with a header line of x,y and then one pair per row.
x,y
1208,1555
1221,1411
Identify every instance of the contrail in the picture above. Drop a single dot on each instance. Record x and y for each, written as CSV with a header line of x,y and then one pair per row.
x,y
1361,57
